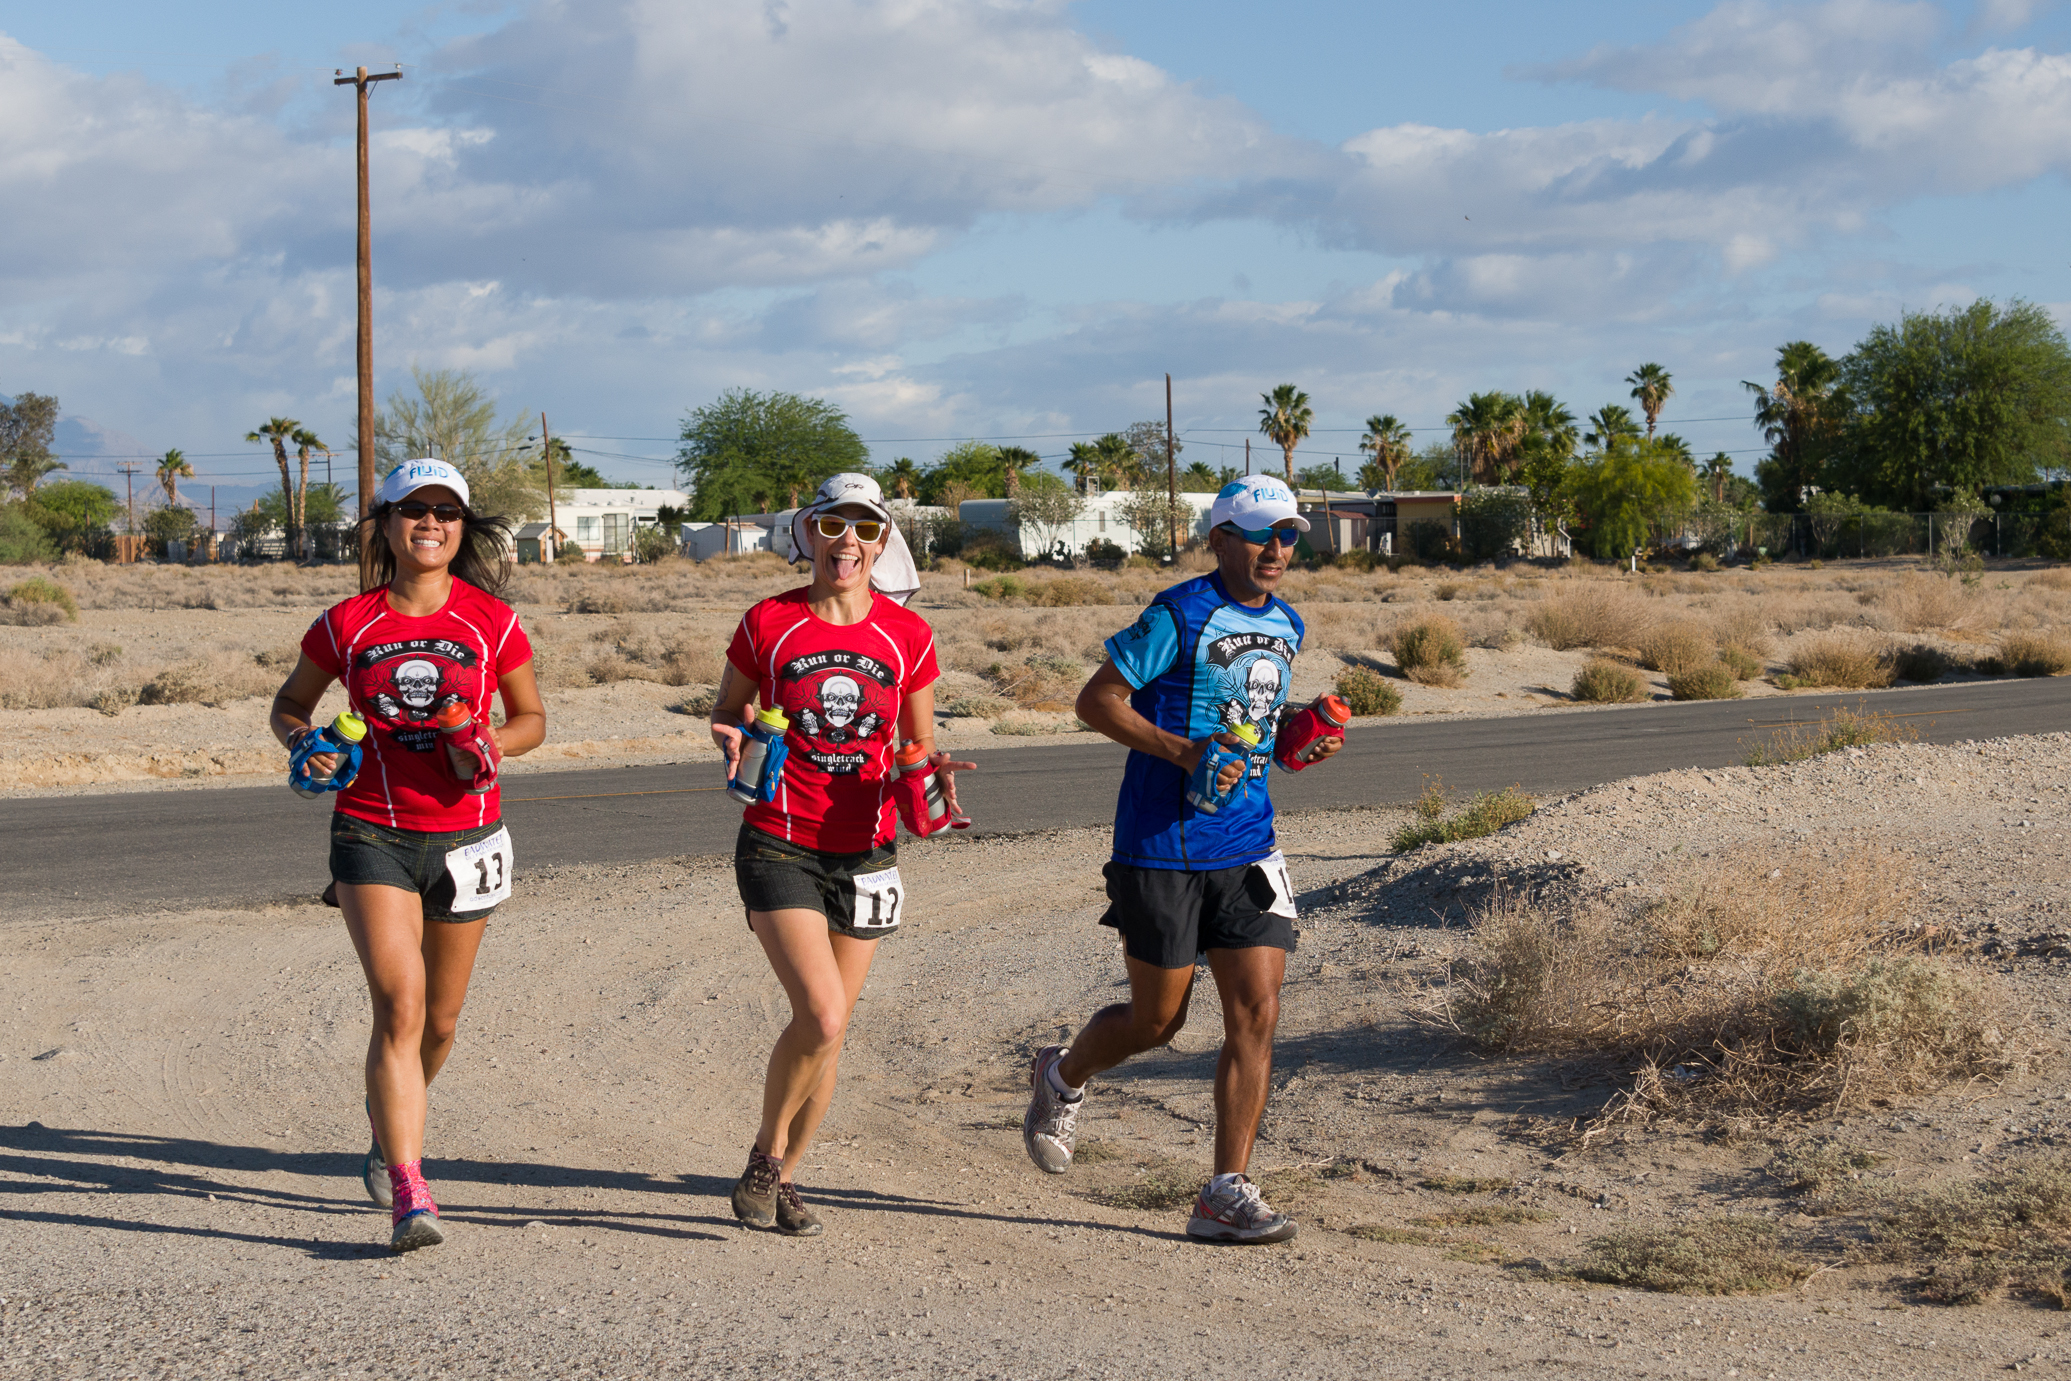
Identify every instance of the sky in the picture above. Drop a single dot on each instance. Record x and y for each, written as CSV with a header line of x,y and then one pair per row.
x,y
1005,220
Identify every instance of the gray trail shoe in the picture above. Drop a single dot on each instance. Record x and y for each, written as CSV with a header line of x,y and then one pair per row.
x,y
417,1230
1051,1128
1236,1213
374,1169
755,1196
794,1219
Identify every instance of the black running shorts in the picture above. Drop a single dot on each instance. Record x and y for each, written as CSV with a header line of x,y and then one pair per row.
x,y
1169,918
363,852
776,875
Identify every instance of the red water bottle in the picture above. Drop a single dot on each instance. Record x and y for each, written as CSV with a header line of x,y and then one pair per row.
x,y
470,751
1300,739
925,808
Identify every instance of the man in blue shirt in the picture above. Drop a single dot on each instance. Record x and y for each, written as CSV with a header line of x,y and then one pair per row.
x,y
1209,657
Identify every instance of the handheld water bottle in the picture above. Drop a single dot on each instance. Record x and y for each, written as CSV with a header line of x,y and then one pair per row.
x,y
1296,745
763,751
471,750
925,808
342,737
1204,793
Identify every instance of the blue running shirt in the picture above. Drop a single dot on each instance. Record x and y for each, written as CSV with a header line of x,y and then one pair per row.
x,y
1202,663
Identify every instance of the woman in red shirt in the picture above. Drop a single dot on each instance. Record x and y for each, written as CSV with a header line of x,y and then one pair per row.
x,y
851,668
419,854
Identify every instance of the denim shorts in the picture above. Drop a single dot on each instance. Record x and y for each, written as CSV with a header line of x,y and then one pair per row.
x,y
776,875
363,852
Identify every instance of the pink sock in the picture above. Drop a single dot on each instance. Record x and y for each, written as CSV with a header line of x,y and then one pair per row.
x,y
412,1195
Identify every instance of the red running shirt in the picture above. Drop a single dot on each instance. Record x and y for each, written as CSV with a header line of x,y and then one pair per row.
x,y
400,672
842,688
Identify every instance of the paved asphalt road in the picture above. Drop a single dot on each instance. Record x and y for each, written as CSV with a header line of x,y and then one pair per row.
x,y
65,855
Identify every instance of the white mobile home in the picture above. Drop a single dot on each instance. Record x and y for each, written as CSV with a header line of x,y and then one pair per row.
x,y
602,521
1101,520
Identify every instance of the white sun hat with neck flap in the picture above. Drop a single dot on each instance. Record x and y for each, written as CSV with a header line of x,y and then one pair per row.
x,y
893,574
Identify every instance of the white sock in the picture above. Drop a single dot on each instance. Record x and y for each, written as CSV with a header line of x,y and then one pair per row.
x,y
1064,1090
1218,1183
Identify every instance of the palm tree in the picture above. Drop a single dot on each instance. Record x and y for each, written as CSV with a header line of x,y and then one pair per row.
x,y
1651,386
1085,465
904,477
1799,410
1549,427
1674,445
1284,420
1387,441
1486,431
173,468
1608,423
1716,472
305,442
1013,460
279,431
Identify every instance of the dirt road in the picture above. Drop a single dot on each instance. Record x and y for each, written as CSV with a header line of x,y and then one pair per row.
x,y
182,1129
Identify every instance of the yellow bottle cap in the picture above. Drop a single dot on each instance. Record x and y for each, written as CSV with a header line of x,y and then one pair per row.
x,y
1247,732
349,726
774,718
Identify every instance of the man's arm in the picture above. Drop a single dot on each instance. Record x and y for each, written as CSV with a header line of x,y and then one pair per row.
x,y
1104,706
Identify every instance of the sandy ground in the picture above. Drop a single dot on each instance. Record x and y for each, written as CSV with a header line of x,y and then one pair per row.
x,y
183,1129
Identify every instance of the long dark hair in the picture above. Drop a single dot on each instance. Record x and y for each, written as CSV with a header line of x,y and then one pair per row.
x,y
484,537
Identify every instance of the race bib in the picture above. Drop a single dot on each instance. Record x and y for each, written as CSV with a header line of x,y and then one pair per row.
x,y
880,896
1273,868
481,872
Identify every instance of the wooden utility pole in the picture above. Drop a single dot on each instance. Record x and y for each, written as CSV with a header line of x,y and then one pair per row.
x,y
1171,474
1247,457
546,442
129,470
360,81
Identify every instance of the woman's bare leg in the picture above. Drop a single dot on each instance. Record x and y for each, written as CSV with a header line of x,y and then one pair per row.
x,y
822,973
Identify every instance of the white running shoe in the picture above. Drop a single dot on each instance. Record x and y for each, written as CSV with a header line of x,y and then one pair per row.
x,y
1236,1213
1051,1128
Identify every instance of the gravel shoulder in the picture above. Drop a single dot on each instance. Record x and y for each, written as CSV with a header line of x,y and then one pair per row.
x,y
182,1126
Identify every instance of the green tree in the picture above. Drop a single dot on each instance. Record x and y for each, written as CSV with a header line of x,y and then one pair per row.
x,y
75,513
169,523
27,427
1954,400
1153,515
279,431
172,468
324,503
1546,474
744,447
1197,478
1387,441
1323,475
450,416
1144,444
1285,420
1624,487
967,470
1651,388
1801,416
22,538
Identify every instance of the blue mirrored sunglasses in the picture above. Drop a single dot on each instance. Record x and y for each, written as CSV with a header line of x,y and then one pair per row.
x,y
1259,536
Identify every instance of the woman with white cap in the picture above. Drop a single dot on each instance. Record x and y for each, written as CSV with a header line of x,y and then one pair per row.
x,y
851,672
419,853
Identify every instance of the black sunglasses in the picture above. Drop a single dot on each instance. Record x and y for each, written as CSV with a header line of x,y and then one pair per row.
x,y
413,509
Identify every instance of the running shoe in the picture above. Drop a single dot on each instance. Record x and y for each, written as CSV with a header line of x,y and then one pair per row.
x,y
755,1196
1236,1213
1051,1128
416,1217
374,1170
794,1219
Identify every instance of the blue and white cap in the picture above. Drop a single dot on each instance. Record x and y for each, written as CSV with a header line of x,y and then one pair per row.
x,y
1255,503
412,475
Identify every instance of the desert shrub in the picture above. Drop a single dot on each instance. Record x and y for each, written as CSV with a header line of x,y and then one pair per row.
x,y
1743,626
1484,814
1608,683
1709,1256
1590,613
38,600
1067,590
1677,647
1911,1013
977,706
2035,654
598,602
1367,692
1918,603
1841,729
1968,1241
1744,665
1001,587
1838,660
1704,561
183,685
1713,681
1431,651
2055,578
699,702
1920,662
1358,559
1043,681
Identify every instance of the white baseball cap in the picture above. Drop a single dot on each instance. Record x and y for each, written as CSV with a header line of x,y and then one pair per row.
x,y
1255,503
412,475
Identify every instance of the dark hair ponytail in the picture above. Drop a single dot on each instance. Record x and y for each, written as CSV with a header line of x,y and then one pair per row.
x,y
483,540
